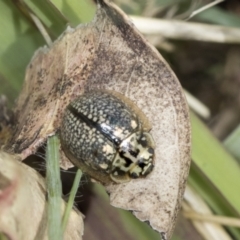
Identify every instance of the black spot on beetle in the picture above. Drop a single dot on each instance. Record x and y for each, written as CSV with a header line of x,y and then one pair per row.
x,y
141,165
151,150
134,153
134,175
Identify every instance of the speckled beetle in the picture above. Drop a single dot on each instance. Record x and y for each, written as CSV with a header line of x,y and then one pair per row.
x,y
103,133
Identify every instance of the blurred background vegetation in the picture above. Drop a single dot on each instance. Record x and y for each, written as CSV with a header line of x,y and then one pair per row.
x,y
209,70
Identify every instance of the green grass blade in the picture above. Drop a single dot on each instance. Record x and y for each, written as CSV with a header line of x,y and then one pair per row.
x,y
19,39
54,189
49,16
72,195
76,11
219,16
211,157
215,174
3,237
232,143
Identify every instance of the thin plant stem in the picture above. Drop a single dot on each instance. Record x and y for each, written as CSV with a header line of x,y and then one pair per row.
x,y
71,199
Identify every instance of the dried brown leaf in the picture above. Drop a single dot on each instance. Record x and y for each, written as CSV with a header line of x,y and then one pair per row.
x,y
110,53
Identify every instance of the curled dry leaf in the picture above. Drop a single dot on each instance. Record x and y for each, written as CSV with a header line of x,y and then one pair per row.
x,y
23,193
110,53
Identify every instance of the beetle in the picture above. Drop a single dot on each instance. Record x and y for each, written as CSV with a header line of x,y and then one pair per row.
x,y
107,136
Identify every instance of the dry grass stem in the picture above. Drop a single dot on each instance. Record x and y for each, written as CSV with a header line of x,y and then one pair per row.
x,y
197,106
209,231
41,29
228,221
176,29
194,13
